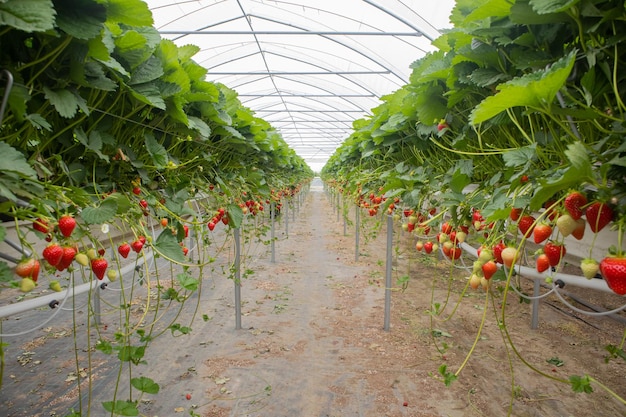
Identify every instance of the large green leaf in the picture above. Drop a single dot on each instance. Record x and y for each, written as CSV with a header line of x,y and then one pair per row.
x,y
156,151
552,6
536,90
235,215
28,15
82,19
167,245
14,161
122,408
145,384
149,70
129,12
65,101
105,212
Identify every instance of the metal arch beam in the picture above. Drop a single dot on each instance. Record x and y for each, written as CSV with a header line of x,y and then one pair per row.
x,y
287,32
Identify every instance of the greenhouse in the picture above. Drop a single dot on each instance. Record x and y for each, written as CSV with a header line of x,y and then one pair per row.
x,y
298,208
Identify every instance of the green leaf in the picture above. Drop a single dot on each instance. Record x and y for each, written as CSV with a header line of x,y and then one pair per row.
x,y
6,273
81,19
145,384
149,70
188,282
235,215
459,182
38,122
129,12
520,156
122,408
101,214
581,384
551,6
156,151
64,101
14,161
28,15
167,245
536,90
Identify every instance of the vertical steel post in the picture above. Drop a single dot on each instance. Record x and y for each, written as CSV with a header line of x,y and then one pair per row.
x,y
534,322
272,234
357,221
237,279
388,273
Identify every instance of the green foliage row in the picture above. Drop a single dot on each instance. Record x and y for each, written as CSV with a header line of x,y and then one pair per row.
x,y
523,99
101,103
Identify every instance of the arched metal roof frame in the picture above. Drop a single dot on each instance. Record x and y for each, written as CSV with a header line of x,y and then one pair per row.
x,y
309,91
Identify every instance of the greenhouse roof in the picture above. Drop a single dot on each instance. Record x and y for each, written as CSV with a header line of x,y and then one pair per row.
x,y
310,68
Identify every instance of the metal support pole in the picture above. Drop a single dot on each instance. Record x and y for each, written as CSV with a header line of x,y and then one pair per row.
x,y
96,305
338,206
534,321
272,234
237,267
358,232
388,273
293,211
286,205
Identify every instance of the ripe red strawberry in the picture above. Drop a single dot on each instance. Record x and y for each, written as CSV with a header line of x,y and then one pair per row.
x,y
442,125
143,203
497,252
69,253
428,247
541,232
28,268
525,225
489,268
542,263
41,225
598,216
455,252
211,226
579,232
136,190
66,225
185,250
53,254
590,267
574,203
137,245
124,249
515,213
99,267
613,270
566,224
186,228
142,239
554,252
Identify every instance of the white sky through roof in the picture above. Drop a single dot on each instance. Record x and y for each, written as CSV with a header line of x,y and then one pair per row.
x,y
308,67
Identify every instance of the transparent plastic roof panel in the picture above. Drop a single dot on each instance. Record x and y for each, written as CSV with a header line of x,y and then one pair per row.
x,y
309,68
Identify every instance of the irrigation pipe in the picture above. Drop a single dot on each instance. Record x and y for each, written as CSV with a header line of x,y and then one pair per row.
x,y
46,300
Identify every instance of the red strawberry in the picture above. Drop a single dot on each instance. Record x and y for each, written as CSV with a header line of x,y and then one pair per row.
x,y
211,226
185,250
554,252
497,252
99,267
428,247
541,232
66,225
69,253
41,225
489,268
186,228
598,216
543,263
455,252
579,232
613,270
136,190
143,203
28,268
525,225
124,249
515,213
137,245
142,239
574,203
53,254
